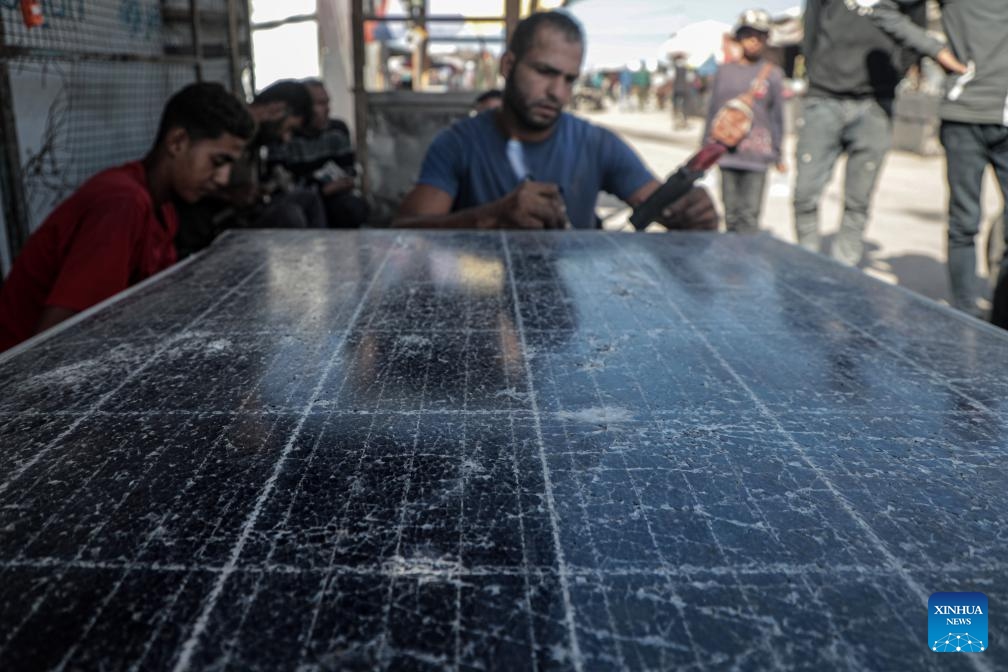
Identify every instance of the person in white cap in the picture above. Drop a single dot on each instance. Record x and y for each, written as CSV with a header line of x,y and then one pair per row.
x,y
743,171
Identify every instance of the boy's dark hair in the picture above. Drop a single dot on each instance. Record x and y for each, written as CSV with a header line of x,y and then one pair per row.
x,y
295,94
525,32
206,110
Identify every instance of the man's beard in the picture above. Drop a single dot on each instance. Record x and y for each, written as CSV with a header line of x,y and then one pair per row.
x,y
522,112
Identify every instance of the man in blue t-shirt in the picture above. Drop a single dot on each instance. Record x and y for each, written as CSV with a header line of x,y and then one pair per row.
x,y
528,164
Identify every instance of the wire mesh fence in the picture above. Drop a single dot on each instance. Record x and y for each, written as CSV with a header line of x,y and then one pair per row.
x,y
86,89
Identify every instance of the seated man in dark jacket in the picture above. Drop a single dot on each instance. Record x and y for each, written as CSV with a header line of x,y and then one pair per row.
x,y
321,156
255,196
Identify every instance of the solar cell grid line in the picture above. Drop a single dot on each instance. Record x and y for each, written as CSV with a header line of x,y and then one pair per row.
x,y
577,658
596,559
932,374
591,373
149,464
738,474
84,547
384,650
129,567
168,342
526,569
664,564
139,662
928,371
831,625
684,571
53,585
457,622
192,642
231,644
332,570
891,559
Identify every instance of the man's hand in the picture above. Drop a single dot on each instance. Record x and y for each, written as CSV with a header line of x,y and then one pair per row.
x,y
532,205
694,211
947,60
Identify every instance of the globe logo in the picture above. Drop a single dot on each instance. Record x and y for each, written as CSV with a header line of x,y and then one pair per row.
x,y
957,642
958,623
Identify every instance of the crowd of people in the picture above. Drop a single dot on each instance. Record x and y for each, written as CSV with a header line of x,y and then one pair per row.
x,y
521,161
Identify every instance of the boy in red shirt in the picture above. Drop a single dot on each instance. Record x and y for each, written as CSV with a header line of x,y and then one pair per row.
x,y
118,227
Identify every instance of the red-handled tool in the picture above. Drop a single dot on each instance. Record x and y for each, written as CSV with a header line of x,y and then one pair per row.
x,y
729,127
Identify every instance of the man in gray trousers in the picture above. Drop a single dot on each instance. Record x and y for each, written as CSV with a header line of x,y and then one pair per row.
x,y
974,128
853,67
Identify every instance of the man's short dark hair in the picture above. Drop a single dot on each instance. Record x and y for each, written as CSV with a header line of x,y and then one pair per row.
x,y
295,94
206,110
525,32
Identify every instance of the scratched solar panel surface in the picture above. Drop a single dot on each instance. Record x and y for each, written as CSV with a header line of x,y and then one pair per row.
x,y
382,450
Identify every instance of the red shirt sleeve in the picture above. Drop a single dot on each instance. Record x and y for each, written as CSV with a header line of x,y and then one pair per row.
x,y
99,260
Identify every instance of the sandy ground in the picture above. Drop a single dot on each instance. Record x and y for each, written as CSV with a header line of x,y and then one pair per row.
x,y
905,242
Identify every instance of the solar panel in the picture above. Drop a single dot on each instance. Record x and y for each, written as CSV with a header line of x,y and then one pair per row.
x,y
575,450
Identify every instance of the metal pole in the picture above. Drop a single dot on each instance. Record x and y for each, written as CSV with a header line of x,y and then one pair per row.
x,y
250,56
15,53
15,207
360,94
197,41
234,55
512,14
419,13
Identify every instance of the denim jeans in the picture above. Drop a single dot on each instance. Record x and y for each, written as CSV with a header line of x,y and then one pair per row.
x,y
969,149
860,128
742,195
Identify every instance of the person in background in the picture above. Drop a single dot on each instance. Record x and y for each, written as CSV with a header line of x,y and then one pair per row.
x,y
743,172
261,196
320,156
974,128
680,92
642,86
118,227
529,164
853,69
625,87
255,195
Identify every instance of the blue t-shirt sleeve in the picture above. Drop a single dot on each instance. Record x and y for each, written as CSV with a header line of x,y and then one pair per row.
x,y
623,173
443,166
